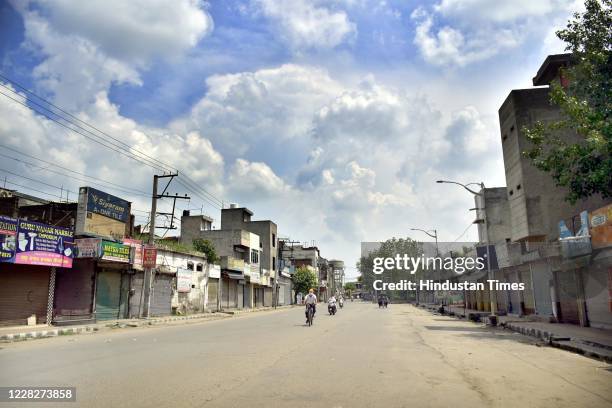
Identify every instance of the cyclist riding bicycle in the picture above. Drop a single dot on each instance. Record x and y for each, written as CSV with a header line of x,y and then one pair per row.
x,y
310,300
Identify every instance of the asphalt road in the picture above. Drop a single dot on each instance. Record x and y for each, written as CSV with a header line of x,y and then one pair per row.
x,y
362,357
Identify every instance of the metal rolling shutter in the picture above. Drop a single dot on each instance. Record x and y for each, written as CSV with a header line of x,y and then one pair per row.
x,y
74,292
233,287
212,293
108,295
161,296
568,296
24,291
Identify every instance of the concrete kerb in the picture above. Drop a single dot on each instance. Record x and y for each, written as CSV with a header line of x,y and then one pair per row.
x,y
588,349
68,331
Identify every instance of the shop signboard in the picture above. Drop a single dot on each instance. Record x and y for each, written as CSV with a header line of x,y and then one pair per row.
x,y
138,249
149,256
42,244
183,280
601,227
214,271
116,252
99,202
102,214
8,235
88,247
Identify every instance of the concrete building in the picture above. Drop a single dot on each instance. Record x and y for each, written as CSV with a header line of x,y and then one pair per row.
x,y
537,205
242,278
336,276
241,218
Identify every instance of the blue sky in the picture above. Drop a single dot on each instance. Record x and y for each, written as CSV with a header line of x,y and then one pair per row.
x,y
330,117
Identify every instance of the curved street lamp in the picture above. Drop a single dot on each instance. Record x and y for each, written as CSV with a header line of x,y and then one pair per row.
x,y
481,193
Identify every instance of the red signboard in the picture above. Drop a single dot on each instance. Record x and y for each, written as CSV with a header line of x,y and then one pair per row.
x,y
149,256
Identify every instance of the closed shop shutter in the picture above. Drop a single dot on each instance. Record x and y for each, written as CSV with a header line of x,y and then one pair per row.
x,y
568,296
24,291
528,302
74,292
281,295
136,286
240,296
268,297
212,293
598,290
233,286
161,296
108,295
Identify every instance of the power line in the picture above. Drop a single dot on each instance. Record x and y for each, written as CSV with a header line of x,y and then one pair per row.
x,y
38,181
33,189
111,184
112,146
150,161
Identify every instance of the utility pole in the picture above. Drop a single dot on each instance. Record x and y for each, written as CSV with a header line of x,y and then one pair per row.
x,y
149,273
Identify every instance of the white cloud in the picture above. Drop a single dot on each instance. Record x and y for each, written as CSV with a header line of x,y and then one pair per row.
x,y
304,24
255,181
461,32
484,10
130,30
87,46
260,112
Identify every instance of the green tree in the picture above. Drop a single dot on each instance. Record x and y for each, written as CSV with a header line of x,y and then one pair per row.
x,y
207,248
389,249
585,167
304,279
349,287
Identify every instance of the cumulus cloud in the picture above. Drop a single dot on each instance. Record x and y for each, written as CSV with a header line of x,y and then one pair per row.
x,y
262,113
87,46
461,32
305,24
255,181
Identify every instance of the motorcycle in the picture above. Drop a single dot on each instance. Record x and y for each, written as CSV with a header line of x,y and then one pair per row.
x,y
331,309
341,303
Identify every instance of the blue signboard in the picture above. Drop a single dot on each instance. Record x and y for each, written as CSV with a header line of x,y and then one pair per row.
x,y
42,244
107,205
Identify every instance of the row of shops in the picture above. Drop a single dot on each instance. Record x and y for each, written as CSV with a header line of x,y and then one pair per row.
x,y
568,281
48,277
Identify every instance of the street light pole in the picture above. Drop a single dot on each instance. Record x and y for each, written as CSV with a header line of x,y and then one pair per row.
x,y
481,206
434,236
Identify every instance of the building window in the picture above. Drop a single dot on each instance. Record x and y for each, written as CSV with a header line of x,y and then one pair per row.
x,y
199,267
274,262
511,128
511,192
504,137
254,256
273,240
518,187
190,266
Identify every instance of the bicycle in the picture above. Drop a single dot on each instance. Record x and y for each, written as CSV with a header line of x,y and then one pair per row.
x,y
310,314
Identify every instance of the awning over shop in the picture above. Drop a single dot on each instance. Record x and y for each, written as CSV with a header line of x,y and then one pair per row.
x,y
234,275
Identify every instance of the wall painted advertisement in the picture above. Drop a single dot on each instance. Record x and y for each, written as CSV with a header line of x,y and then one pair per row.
x,y
42,244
